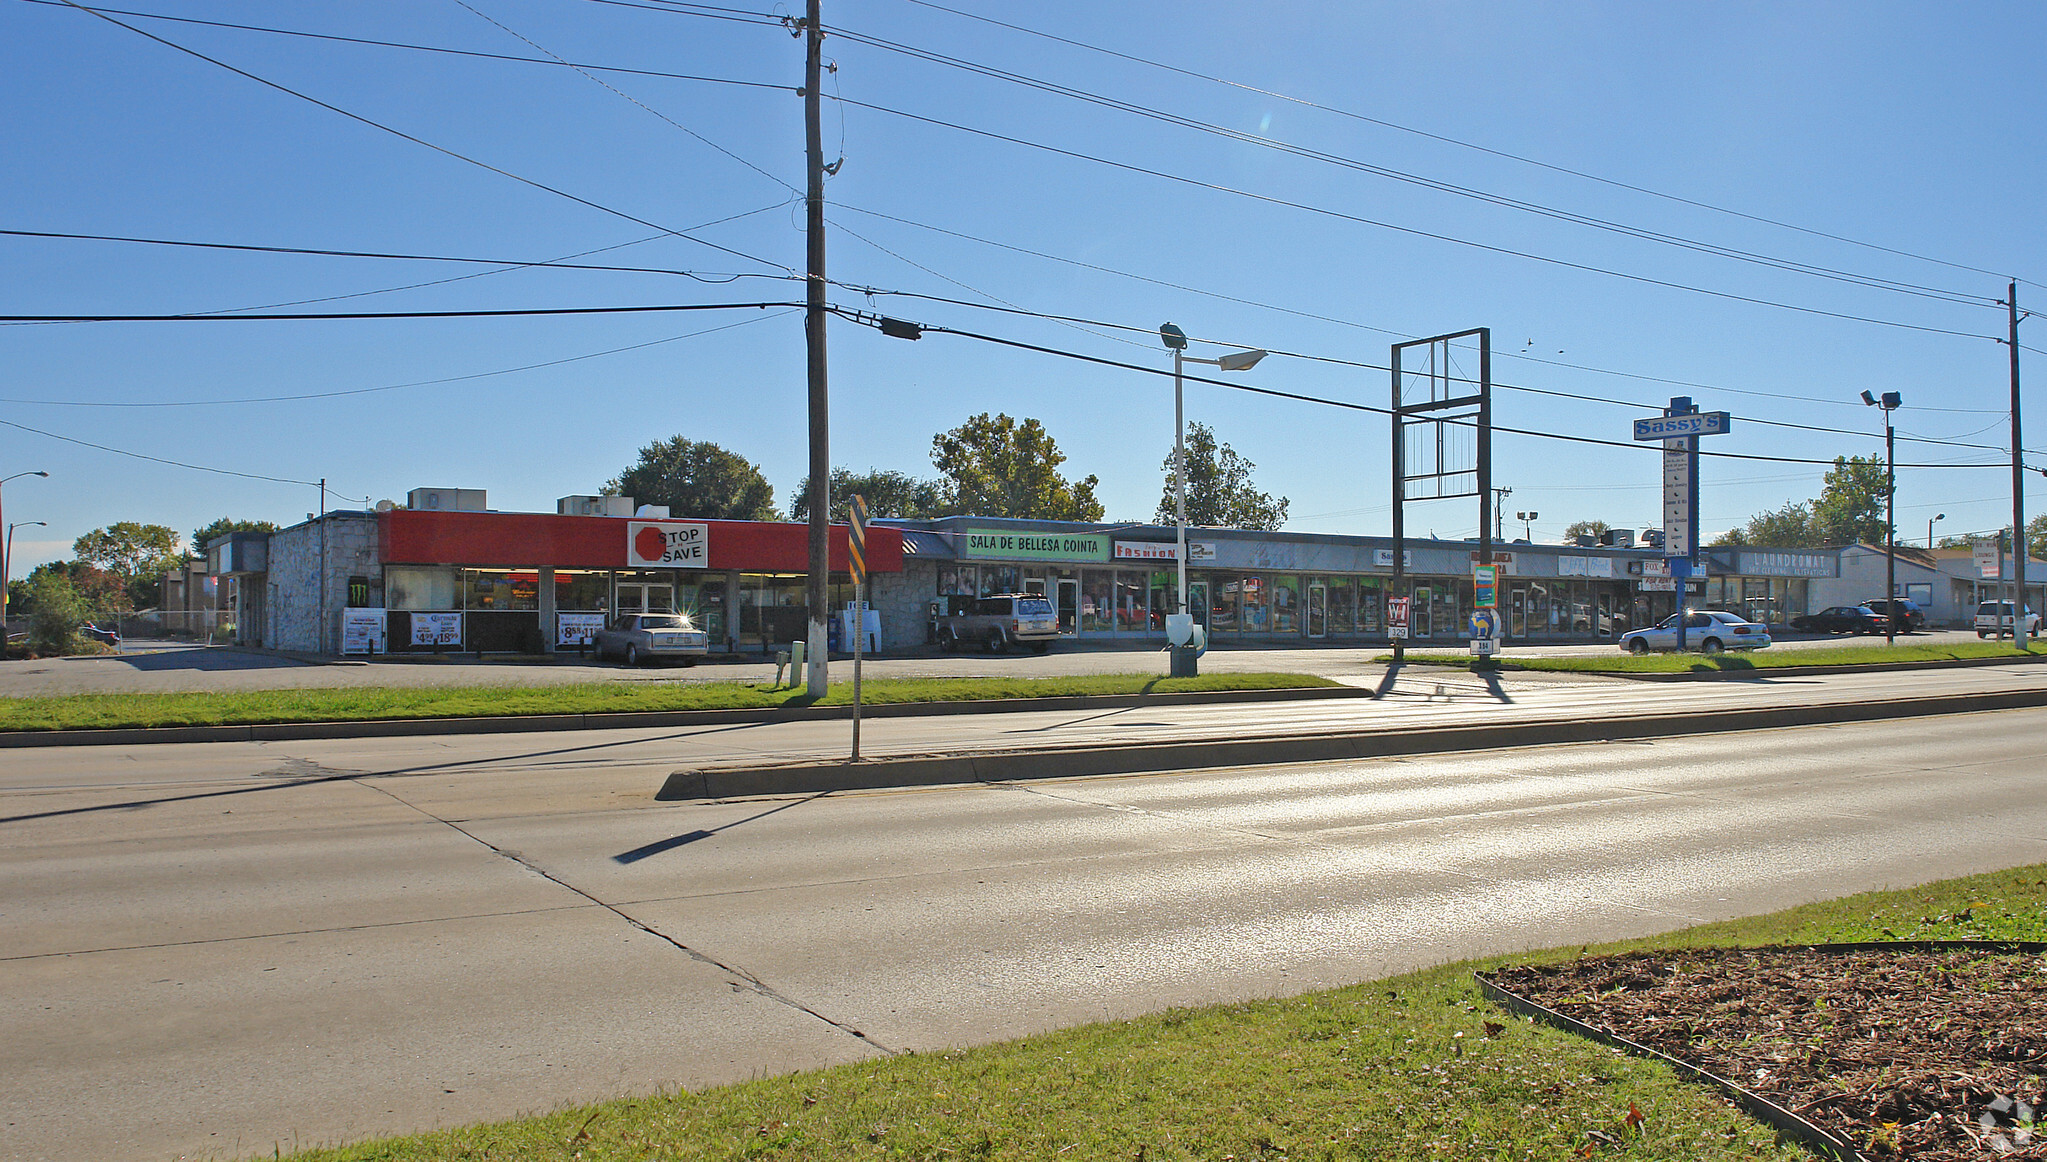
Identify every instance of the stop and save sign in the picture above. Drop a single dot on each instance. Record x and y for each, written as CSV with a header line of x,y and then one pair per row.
x,y
668,544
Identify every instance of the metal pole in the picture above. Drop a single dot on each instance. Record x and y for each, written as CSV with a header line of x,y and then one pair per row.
x,y
2021,628
1180,480
816,591
1399,511
323,564
1890,531
859,640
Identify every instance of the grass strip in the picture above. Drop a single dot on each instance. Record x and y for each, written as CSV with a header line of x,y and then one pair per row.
x,y
1413,1067
1671,663
359,704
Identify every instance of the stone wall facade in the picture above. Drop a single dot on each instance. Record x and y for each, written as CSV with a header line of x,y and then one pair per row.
x,y
298,613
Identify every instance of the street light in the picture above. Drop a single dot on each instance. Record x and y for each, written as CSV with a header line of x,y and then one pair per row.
x,y
6,556
1929,529
1526,518
1182,654
1890,403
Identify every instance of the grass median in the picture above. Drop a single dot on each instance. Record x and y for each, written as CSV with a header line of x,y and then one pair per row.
x,y
1733,663
1414,1067
363,704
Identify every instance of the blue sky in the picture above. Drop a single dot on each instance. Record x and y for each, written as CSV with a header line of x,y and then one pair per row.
x,y
1914,128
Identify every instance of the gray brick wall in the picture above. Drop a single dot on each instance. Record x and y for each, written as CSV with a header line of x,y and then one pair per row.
x,y
294,615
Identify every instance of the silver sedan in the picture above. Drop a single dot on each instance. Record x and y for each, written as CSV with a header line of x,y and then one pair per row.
x,y
642,637
1708,631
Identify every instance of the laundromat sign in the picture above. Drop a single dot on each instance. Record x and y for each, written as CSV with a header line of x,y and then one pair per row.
x,y
667,545
1014,546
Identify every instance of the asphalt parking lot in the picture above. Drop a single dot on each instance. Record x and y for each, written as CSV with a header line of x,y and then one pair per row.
x,y
150,667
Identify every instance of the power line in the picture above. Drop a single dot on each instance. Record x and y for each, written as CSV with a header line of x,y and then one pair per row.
x,y
159,459
311,395
357,117
333,315
1462,144
1324,211
1309,153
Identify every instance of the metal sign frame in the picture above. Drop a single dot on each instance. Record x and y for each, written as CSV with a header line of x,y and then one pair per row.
x,y
1444,410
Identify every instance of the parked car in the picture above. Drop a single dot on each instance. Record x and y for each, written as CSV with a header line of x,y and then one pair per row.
x,y
1995,616
999,622
1910,614
1707,631
105,637
1842,619
646,637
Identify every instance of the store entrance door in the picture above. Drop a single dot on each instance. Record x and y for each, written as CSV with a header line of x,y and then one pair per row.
x,y
1318,611
1420,623
1069,604
646,597
1517,611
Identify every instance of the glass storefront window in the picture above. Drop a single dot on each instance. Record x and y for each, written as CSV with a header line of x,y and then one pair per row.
x,y
1539,624
1132,614
415,587
1343,605
1000,579
1098,600
1255,612
1223,593
1165,595
957,581
1285,598
580,592
500,589
1371,605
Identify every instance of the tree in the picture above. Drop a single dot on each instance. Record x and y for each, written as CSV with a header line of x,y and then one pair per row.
x,y
994,466
697,478
102,591
58,611
138,554
1219,488
892,494
1585,528
226,525
1850,508
1790,527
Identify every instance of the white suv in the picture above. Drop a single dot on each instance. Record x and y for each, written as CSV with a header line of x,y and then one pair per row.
x,y
1995,616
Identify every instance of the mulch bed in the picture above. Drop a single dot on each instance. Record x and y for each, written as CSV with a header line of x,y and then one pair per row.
x,y
1925,1054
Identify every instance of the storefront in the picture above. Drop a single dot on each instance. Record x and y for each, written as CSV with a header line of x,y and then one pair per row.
x,y
1767,585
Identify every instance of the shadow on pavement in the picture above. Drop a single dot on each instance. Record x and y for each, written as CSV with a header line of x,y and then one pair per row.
x,y
173,658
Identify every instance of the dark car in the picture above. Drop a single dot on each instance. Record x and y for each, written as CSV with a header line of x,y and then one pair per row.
x,y
1842,619
1909,615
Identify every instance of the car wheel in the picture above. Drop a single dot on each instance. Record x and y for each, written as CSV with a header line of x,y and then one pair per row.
x,y
996,642
1711,646
689,661
1042,648
632,655
1638,647
946,642
1980,635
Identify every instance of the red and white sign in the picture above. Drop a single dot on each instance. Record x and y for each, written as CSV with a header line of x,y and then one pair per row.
x,y
1146,551
667,544
1396,616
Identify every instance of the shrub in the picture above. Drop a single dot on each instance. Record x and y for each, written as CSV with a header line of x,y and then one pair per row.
x,y
53,627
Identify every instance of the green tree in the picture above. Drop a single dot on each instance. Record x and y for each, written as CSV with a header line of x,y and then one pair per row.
x,y
995,466
1850,508
1585,528
697,478
1219,488
102,591
1790,527
58,610
138,554
226,525
894,494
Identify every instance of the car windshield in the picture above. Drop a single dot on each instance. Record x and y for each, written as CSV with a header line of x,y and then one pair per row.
x,y
665,621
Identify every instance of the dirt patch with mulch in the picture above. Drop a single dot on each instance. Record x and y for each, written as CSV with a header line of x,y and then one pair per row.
x,y
1925,1054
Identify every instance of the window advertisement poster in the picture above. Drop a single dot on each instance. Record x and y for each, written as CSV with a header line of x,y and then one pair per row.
x,y
362,630
1486,587
1396,616
437,629
667,545
577,629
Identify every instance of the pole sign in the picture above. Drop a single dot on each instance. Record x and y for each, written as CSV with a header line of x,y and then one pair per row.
x,y
856,541
1683,426
1485,586
1680,497
1396,617
1485,632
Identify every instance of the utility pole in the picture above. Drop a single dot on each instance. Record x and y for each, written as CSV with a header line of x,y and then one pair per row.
x,y
817,592
1500,496
2022,629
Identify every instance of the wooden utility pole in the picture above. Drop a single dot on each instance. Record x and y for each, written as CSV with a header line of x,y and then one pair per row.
x,y
817,592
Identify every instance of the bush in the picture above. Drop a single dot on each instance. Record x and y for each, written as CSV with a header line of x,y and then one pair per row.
x,y
53,627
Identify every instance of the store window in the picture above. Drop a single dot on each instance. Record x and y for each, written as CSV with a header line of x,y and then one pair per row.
x,y
1343,605
499,590
421,588
1539,624
1255,615
577,591
1132,612
1224,593
1371,605
1000,579
1098,600
957,581
1285,600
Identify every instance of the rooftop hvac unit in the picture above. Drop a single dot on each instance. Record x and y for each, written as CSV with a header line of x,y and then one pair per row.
x,y
594,506
446,500
1618,538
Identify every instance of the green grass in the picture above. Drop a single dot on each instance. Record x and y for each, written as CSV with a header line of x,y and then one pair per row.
x,y
1389,1070
1764,659
99,711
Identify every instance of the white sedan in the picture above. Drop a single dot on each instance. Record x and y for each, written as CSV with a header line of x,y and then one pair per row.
x,y
648,637
1708,631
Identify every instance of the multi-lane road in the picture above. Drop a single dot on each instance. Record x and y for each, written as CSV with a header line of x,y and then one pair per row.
x,y
211,949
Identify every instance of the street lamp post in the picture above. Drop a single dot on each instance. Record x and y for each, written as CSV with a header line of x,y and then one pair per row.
x,y
1929,530
1890,403
6,557
1526,519
1183,654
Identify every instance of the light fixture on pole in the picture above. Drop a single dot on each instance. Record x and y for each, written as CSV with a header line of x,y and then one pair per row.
x,y
1526,519
1183,653
1929,529
1889,403
5,556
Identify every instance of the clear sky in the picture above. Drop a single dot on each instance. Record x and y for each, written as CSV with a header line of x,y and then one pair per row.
x,y
1904,128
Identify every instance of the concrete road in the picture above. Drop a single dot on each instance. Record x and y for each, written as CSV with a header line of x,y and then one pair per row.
x,y
207,950
143,667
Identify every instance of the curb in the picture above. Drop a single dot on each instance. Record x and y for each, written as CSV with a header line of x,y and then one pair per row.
x,y
639,719
1508,666
1151,758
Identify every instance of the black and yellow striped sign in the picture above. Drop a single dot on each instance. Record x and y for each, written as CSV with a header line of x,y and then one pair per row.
x,y
856,543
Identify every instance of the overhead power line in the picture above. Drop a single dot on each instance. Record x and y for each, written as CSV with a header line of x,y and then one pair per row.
x,y
307,316
1460,143
158,459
